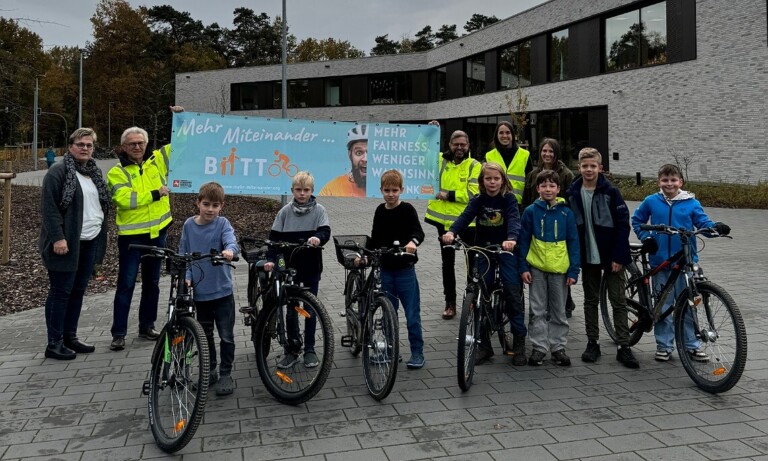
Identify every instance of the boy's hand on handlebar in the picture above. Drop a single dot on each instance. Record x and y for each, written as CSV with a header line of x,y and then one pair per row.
x,y
722,228
411,247
508,245
314,241
228,254
526,276
268,267
448,238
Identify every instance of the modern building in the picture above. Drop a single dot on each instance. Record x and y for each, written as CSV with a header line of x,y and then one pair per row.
x,y
645,82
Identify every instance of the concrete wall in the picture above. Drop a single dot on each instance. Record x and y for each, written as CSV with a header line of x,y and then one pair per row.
x,y
712,109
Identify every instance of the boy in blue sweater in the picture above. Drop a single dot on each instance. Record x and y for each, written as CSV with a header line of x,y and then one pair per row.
x,y
674,207
213,293
549,263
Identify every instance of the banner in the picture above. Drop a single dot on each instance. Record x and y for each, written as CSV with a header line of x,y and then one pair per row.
x,y
252,155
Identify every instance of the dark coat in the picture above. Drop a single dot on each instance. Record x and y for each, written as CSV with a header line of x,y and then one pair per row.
x,y
66,225
610,217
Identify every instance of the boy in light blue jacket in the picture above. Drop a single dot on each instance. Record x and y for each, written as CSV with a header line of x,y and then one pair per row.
x,y
674,207
549,262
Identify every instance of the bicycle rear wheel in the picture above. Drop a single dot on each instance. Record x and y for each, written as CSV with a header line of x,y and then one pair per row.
x,y
351,290
636,298
290,377
721,334
382,348
469,335
178,384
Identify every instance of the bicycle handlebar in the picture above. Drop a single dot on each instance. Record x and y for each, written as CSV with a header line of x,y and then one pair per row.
x,y
459,244
277,244
396,251
671,230
160,252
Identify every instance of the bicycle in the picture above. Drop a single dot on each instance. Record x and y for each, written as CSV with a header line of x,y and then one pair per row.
x,y
713,314
177,388
482,308
372,324
274,302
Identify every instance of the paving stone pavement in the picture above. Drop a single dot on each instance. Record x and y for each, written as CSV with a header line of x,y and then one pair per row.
x,y
92,409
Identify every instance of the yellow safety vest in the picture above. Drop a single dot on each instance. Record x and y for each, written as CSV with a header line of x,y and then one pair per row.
x,y
515,171
132,185
460,179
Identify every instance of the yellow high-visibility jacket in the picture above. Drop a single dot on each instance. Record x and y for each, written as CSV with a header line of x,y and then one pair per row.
x,y
135,193
515,171
460,183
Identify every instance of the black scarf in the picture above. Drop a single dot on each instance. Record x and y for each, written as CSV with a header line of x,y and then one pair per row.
x,y
301,210
89,169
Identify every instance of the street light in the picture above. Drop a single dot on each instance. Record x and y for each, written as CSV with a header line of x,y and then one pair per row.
x,y
80,96
34,122
66,127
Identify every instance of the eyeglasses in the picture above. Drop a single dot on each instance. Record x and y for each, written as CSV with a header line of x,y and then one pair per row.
x,y
82,145
135,144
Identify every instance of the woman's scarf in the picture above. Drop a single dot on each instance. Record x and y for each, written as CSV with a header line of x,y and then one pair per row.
x,y
89,169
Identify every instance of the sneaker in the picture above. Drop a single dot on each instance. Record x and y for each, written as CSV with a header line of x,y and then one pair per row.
x,y
561,359
662,356
149,333
592,352
626,358
310,359
537,358
698,355
482,355
450,311
226,386
518,349
415,362
288,361
117,344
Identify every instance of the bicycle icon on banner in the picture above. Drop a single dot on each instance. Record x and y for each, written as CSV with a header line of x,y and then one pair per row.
x,y
282,163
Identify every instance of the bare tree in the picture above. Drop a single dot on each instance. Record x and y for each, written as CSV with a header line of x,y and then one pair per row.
x,y
518,112
682,159
220,100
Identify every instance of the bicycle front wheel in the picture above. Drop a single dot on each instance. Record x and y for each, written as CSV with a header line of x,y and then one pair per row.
x,y
178,384
635,298
351,290
718,360
469,335
294,347
381,353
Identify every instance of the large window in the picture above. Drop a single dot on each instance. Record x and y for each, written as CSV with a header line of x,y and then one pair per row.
x,y
515,66
636,38
558,55
243,96
298,94
333,92
390,89
437,82
474,82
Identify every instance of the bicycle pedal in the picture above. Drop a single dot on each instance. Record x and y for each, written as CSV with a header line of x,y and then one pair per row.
x,y
246,310
346,341
145,388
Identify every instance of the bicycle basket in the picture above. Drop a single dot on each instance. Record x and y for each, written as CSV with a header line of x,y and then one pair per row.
x,y
344,256
251,252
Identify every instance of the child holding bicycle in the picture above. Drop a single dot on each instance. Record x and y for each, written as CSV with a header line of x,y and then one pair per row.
x,y
549,263
602,220
674,207
302,220
497,220
213,292
396,223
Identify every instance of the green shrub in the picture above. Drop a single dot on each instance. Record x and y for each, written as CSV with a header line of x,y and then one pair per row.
x,y
709,194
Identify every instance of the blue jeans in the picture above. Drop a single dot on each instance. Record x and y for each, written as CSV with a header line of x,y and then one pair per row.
x,y
401,285
221,312
665,330
128,271
310,324
513,290
65,295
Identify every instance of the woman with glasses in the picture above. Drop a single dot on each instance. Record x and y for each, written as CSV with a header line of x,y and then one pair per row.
x,y
75,204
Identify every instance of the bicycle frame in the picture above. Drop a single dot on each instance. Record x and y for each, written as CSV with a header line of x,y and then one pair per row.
x,y
485,292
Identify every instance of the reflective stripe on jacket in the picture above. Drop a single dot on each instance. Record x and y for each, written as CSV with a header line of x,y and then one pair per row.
x,y
132,186
460,182
515,171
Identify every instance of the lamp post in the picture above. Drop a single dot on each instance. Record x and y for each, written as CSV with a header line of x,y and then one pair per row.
x,y
66,127
34,123
80,94
284,85
109,125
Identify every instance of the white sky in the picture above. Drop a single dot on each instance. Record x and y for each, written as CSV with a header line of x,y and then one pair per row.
x,y
67,22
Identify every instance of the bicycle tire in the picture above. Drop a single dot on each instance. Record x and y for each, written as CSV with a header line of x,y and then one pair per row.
x,y
351,289
469,334
636,298
382,348
297,383
178,384
254,290
500,318
726,349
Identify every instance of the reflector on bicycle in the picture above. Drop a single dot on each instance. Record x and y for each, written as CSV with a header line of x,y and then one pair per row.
x,y
302,312
719,371
180,425
286,379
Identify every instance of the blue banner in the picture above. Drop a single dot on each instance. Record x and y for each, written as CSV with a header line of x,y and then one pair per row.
x,y
253,155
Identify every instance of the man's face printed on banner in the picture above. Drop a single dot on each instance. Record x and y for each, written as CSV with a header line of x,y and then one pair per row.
x,y
358,156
